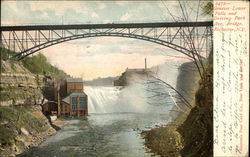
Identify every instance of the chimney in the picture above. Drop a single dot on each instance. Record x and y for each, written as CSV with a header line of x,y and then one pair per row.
x,y
57,96
145,63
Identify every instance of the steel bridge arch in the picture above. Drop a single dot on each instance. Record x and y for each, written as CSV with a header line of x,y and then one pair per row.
x,y
36,48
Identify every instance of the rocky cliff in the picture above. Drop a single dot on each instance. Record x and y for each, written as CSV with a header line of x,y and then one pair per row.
x,y
22,127
18,85
187,84
22,90
167,141
188,81
197,129
190,134
22,123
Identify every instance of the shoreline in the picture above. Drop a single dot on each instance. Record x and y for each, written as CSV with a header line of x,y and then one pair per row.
x,y
30,131
115,137
168,141
165,141
27,128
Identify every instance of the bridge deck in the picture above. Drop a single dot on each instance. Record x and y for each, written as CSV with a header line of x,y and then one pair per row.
x,y
112,25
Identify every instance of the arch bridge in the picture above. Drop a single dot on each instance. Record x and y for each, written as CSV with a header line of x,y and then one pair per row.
x,y
26,40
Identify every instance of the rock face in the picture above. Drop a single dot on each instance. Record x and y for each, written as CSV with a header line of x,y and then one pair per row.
x,y
22,123
18,85
164,142
187,84
197,129
190,134
30,130
188,81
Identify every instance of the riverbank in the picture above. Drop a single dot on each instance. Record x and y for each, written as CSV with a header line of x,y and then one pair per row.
x,y
101,135
165,141
21,128
190,134
22,90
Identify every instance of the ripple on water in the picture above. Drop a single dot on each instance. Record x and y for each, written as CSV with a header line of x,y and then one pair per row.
x,y
105,135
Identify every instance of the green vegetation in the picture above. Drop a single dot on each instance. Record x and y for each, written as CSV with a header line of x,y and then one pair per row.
x,y
208,7
18,87
15,93
12,119
5,53
192,135
37,64
197,129
21,83
165,141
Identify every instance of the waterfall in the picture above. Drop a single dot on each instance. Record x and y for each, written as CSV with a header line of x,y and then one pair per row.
x,y
102,99
117,99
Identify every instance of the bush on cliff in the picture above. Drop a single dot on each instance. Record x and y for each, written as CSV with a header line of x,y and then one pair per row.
x,y
37,64
197,129
13,119
22,127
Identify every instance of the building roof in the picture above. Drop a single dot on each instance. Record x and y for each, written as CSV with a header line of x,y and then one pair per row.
x,y
74,80
135,70
67,98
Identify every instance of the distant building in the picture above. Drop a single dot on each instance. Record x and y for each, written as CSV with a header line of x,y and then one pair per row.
x,y
130,74
70,99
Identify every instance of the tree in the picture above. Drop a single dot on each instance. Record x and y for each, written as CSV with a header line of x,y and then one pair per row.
x,y
188,10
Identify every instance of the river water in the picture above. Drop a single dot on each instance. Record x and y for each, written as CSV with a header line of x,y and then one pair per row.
x,y
116,118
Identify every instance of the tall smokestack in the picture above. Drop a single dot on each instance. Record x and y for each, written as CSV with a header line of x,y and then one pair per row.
x,y
145,63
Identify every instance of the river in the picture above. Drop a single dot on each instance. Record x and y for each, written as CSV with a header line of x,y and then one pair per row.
x,y
116,118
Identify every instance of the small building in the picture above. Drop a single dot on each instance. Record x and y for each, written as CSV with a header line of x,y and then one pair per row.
x,y
74,85
75,104
49,108
70,99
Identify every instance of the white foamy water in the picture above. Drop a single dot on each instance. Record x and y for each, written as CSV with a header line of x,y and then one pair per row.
x,y
117,117
117,99
102,99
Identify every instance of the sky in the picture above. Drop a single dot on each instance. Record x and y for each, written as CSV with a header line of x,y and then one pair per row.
x,y
101,56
